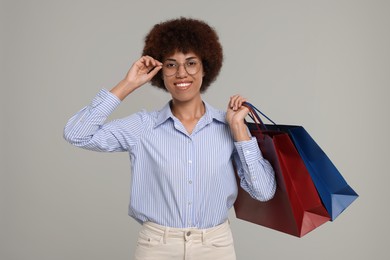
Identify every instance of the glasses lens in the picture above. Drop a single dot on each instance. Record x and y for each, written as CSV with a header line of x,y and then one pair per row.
x,y
192,66
170,68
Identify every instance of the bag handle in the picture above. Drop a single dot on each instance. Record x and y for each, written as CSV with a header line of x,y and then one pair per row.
x,y
255,111
256,119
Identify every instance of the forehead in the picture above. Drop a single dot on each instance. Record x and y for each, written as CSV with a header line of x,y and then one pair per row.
x,y
180,56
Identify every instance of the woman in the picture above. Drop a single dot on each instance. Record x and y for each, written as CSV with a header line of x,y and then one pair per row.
x,y
183,181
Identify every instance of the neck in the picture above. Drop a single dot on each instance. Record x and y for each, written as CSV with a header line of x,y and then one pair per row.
x,y
190,110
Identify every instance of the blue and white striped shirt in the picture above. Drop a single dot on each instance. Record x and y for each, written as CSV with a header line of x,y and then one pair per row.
x,y
178,180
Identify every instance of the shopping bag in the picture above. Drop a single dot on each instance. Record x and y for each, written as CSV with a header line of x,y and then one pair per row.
x,y
296,208
335,193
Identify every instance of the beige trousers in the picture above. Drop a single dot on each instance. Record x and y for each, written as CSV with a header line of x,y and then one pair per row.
x,y
157,242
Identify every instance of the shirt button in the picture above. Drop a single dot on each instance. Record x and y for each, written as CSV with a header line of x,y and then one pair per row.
x,y
190,182
189,161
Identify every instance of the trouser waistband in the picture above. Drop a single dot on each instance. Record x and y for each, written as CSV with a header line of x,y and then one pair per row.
x,y
186,233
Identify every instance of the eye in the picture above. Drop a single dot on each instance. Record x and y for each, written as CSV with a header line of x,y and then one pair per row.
x,y
192,63
170,65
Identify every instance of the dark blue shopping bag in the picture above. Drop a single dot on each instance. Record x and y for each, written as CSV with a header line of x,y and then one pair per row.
x,y
334,191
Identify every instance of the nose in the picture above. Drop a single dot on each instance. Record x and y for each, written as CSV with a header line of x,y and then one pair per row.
x,y
181,71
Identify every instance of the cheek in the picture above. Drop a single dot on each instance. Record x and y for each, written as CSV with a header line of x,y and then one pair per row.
x,y
165,80
168,84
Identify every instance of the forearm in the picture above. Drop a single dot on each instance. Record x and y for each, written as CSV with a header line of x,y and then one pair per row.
x,y
123,89
256,173
83,128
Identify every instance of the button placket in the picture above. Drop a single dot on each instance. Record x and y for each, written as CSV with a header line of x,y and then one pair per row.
x,y
190,188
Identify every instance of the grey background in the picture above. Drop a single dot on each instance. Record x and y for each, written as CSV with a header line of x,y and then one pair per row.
x,y
321,64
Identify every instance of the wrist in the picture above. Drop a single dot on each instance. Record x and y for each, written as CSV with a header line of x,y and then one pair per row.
x,y
240,131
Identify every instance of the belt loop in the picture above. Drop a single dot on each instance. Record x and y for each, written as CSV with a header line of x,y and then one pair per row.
x,y
203,236
166,233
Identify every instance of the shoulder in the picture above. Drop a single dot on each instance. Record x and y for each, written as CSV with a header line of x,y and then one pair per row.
x,y
150,118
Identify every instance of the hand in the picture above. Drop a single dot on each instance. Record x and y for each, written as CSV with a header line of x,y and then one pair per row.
x,y
141,72
235,116
236,112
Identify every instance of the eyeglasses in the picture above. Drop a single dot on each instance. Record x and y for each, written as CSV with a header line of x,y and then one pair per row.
x,y
171,67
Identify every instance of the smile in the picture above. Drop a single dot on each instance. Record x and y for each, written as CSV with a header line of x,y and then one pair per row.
x,y
183,85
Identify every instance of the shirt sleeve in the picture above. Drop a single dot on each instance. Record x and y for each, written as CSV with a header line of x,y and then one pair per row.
x,y
88,128
256,173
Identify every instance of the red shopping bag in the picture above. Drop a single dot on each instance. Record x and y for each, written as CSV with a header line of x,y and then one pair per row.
x,y
296,208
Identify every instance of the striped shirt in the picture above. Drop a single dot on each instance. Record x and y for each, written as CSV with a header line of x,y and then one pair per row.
x,y
178,179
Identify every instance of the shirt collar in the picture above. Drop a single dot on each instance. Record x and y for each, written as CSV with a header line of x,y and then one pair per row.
x,y
211,113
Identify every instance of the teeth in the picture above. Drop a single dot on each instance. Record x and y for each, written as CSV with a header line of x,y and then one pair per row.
x,y
183,85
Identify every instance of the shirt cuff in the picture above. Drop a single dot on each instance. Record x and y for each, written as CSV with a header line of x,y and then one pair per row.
x,y
248,151
105,102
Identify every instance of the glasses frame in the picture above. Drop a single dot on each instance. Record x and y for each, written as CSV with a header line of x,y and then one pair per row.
x,y
178,64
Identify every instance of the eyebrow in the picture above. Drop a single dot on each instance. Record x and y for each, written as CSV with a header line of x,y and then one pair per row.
x,y
189,58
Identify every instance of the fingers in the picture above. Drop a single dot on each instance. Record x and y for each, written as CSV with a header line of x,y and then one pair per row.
x,y
143,70
149,62
152,65
154,71
236,102
146,65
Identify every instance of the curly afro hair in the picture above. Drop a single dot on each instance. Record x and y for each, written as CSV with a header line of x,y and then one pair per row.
x,y
185,35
